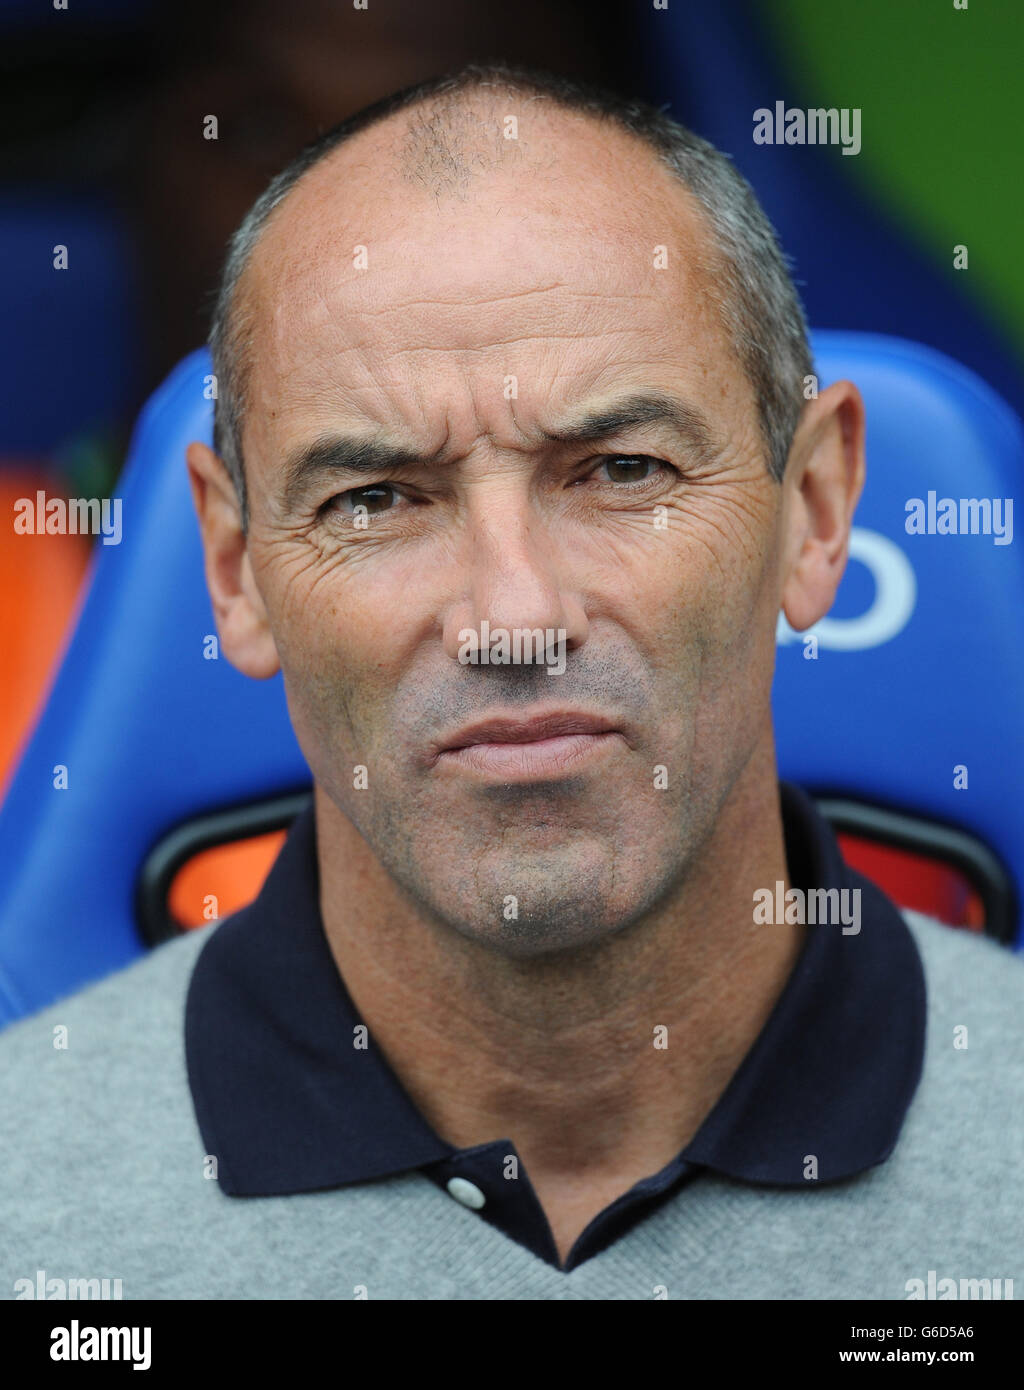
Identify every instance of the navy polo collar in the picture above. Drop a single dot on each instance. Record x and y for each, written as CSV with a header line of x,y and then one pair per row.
x,y
288,1103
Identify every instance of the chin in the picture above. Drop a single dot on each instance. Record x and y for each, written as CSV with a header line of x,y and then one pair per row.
x,y
535,924
532,940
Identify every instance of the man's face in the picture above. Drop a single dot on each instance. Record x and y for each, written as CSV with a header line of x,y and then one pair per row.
x,y
474,325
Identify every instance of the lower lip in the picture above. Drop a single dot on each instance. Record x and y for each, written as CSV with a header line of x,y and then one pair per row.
x,y
543,757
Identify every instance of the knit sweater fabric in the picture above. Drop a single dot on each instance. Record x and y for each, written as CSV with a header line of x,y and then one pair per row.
x,y
103,1176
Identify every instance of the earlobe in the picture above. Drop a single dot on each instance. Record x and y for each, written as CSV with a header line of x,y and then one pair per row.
x,y
252,647
820,493
238,608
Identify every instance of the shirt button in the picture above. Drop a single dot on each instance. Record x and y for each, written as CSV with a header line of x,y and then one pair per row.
x,y
466,1192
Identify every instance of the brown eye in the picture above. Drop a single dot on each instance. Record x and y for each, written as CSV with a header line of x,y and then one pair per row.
x,y
625,469
375,497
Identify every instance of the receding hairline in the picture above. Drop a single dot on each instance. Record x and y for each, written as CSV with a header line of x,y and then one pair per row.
x,y
750,284
429,119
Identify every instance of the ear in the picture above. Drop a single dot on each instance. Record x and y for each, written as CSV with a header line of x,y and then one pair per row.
x,y
821,488
238,609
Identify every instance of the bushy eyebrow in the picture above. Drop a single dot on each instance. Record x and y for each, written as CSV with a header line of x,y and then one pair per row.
x,y
635,411
344,456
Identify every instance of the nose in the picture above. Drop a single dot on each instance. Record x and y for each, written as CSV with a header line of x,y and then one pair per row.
x,y
513,570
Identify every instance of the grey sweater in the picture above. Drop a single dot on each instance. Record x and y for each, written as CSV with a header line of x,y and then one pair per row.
x,y
102,1176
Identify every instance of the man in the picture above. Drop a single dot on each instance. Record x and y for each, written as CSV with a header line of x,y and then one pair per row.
x,y
513,474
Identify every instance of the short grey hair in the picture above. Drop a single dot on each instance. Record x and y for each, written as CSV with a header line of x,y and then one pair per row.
x,y
759,303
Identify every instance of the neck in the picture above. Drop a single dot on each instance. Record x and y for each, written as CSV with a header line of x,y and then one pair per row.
x,y
599,1065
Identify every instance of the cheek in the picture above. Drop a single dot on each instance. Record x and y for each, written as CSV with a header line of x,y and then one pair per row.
x,y
710,620
337,630
710,585
327,607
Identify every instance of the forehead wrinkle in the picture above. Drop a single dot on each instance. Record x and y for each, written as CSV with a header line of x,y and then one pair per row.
x,y
263,278
358,452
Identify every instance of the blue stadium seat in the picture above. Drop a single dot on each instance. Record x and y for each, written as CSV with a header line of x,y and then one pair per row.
x,y
920,667
151,731
919,670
